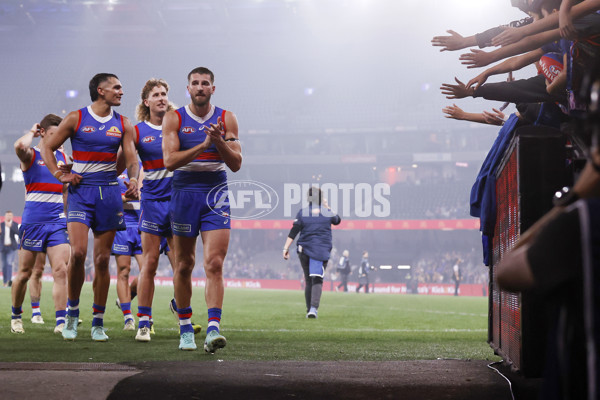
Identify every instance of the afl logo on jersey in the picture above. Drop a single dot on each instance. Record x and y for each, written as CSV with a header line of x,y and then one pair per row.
x,y
88,129
188,129
114,132
148,139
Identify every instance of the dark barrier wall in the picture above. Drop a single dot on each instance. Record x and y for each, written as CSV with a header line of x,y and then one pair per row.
x,y
533,169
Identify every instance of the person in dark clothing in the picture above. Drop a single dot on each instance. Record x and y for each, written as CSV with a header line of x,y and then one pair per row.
x,y
343,268
456,275
530,90
9,233
363,273
313,223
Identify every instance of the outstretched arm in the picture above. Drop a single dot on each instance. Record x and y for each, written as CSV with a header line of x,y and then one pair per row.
x,y
458,91
479,58
512,64
453,42
455,112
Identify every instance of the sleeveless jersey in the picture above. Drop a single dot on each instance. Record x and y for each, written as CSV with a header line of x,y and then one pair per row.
x,y
43,199
131,209
95,145
208,169
157,179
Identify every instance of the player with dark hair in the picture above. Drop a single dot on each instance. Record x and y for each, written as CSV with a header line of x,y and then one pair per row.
x,y
199,140
313,223
94,202
44,226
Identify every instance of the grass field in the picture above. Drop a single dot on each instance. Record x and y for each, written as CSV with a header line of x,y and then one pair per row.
x,y
269,325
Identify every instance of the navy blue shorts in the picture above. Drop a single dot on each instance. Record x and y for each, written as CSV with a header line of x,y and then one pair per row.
x,y
127,242
38,237
155,218
99,207
192,212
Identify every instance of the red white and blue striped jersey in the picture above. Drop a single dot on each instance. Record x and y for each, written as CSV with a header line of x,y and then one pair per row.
x,y
157,179
95,145
43,199
131,209
208,169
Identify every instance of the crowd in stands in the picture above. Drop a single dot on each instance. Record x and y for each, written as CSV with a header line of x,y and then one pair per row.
x,y
437,267
255,255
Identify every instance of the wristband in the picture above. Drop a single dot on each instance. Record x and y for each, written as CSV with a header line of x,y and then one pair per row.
x,y
133,179
284,249
58,171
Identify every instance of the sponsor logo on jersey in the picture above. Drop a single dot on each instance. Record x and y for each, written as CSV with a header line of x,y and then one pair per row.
x,y
148,139
102,127
32,243
77,214
150,225
182,227
41,162
88,129
188,129
114,132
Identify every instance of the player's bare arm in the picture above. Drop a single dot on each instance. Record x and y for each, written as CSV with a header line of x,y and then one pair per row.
x,y
130,154
48,147
228,146
478,58
23,146
174,158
